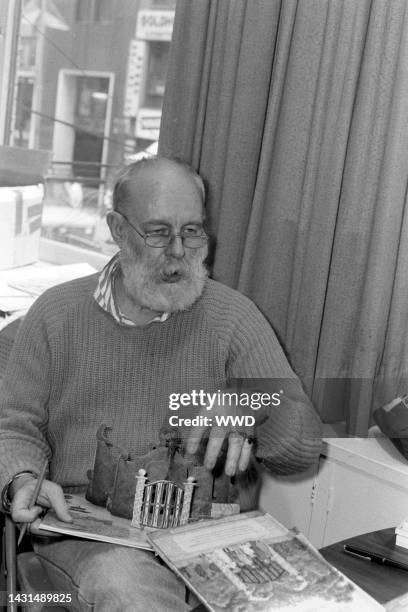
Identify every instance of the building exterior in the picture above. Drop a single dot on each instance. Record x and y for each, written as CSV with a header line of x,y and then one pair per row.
x,y
91,78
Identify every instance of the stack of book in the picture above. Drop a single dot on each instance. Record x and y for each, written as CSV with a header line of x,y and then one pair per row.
x,y
401,533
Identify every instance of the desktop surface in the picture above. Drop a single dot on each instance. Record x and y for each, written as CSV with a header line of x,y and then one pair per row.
x,y
382,582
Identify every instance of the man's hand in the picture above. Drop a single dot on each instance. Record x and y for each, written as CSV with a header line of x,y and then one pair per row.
x,y
51,496
240,437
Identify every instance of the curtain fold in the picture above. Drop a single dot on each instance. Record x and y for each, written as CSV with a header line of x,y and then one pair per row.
x,y
295,112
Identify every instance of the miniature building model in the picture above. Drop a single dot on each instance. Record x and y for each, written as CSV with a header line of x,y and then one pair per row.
x,y
163,488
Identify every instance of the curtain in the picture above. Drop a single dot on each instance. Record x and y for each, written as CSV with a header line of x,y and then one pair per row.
x,y
295,112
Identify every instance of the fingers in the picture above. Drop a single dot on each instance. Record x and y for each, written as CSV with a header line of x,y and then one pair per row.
x,y
24,515
245,455
239,446
238,454
214,444
51,496
235,444
194,439
54,497
35,530
20,507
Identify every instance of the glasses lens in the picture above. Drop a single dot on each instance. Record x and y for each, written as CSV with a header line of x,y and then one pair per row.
x,y
191,242
157,241
194,242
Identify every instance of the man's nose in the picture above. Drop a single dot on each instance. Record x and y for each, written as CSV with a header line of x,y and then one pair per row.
x,y
176,247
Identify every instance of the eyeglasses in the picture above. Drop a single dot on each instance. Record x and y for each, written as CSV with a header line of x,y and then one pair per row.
x,y
191,237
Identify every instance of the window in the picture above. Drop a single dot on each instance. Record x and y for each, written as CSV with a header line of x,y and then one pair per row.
x,y
84,10
156,73
24,102
103,10
94,10
89,87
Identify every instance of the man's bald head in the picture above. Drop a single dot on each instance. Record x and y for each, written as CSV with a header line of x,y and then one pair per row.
x,y
153,173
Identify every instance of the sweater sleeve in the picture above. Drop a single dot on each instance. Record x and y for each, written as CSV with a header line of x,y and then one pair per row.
x,y
24,394
289,438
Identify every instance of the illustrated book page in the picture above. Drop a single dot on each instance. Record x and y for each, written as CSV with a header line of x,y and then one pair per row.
x,y
251,562
96,523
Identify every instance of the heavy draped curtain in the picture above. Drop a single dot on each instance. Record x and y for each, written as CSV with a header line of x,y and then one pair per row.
x,y
295,112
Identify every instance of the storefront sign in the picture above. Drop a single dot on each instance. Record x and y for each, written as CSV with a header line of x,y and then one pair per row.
x,y
137,50
154,25
148,123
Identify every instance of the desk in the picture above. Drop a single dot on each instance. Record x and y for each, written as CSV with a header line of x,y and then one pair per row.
x,y
381,582
33,279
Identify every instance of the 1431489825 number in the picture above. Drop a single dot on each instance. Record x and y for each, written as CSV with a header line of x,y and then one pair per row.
x,y
44,597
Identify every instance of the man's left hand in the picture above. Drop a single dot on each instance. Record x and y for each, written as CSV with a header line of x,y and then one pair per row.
x,y
240,438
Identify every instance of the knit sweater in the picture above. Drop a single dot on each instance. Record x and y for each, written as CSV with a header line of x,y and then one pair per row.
x,y
73,367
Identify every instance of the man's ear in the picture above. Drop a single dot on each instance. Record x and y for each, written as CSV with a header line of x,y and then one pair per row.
x,y
116,226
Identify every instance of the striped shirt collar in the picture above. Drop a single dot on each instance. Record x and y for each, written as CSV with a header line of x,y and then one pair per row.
x,y
105,297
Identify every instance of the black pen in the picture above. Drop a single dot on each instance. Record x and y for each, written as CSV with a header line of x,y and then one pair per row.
x,y
375,558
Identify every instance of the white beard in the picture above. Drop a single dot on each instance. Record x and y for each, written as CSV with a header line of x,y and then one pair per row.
x,y
144,282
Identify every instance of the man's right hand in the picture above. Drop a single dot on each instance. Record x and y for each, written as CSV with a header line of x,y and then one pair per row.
x,y
51,496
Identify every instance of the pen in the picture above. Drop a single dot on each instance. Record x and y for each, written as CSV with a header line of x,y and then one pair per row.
x,y
369,556
33,500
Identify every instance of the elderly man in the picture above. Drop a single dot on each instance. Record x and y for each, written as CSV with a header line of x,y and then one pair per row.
x,y
113,348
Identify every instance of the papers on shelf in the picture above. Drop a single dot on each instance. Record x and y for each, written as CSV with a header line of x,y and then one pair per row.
x,y
12,299
35,281
20,287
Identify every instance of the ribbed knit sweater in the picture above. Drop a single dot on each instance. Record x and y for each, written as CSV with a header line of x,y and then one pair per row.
x,y
73,368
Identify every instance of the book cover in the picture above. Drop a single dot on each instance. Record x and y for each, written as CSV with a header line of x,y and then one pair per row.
x,y
96,523
251,562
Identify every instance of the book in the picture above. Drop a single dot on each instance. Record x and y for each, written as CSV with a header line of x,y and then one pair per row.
x,y
401,540
402,534
399,604
96,523
251,562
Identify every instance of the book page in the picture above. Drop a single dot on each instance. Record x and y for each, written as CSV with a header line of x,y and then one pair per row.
x,y
96,523
185,542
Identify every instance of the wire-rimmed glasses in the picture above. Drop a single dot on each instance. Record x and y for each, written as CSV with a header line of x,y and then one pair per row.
x,y
191,237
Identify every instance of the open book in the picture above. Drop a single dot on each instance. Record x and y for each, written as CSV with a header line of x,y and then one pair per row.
x,y
251,562
96,523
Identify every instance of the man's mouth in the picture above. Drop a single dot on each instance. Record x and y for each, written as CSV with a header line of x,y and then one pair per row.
x,y
172,277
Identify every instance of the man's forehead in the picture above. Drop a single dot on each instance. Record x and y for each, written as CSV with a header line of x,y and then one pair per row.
x,y
165,191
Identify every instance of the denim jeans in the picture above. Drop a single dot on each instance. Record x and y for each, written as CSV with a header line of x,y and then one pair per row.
x,y
104,577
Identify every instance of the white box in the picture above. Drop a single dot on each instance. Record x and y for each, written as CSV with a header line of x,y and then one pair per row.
x,y
20,224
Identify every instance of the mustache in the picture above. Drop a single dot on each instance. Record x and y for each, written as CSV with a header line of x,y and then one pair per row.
x,y
170,268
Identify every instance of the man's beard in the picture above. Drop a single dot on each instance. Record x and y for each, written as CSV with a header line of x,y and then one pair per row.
x,y
168,285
